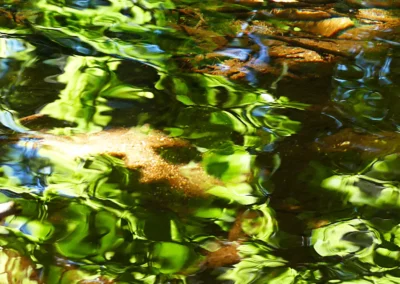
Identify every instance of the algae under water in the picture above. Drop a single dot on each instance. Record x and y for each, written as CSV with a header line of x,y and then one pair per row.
x,y
186,141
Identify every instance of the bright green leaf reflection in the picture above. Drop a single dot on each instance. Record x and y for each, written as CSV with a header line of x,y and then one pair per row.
x,y
377,186
93,65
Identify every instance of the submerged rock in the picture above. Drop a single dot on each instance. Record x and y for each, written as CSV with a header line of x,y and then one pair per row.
x,y
300,14
372,32
16,268
138,150
375,3
369,144
326,28
379,15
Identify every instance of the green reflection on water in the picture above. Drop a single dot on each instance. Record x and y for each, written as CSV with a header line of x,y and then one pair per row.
x,y
90,66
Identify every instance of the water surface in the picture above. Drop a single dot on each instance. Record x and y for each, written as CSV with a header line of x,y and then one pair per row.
x,y
199,141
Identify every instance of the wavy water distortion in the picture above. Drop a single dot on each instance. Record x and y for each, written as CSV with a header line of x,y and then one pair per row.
x,y
186,141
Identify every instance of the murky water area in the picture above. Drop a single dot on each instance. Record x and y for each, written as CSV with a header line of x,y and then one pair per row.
x,y
185,141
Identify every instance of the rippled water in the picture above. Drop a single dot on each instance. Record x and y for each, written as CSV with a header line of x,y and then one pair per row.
x,y
199,141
